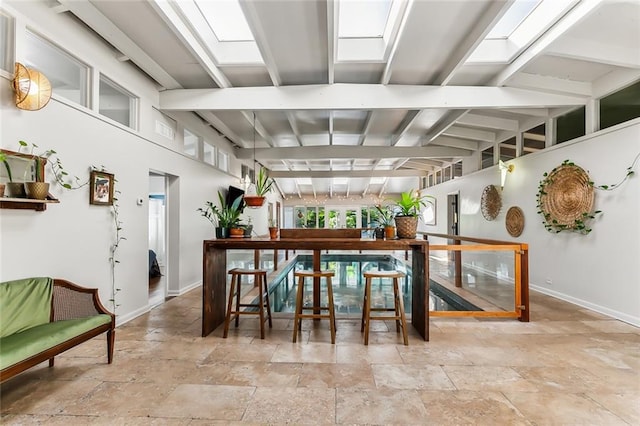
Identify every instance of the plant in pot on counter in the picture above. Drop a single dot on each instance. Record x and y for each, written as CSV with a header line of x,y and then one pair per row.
x,y
3,160
386,218
409,205
223,218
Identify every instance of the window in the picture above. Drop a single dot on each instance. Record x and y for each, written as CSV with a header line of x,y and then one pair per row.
x,y
116,103
6,42
457,169
246,171
190,143
223,161
620,107
209,154
487,158
508,149
68,76
534,139
571,125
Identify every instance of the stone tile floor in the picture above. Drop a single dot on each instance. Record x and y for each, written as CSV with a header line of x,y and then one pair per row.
x,y
568,365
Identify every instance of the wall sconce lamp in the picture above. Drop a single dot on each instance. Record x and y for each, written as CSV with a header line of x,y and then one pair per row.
x,y
33,89
504,169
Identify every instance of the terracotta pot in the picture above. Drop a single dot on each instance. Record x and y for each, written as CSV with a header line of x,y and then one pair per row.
x,y
2,186
389,232
273,232
37,190
253,200
236,233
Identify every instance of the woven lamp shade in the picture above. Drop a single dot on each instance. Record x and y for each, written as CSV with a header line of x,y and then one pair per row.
x,y
32,88
514,221
491,202
567,195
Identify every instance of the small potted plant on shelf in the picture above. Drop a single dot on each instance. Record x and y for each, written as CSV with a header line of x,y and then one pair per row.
x,y
409,205
263,187
386,221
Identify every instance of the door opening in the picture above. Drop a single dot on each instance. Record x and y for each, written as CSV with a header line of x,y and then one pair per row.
x,y
157,238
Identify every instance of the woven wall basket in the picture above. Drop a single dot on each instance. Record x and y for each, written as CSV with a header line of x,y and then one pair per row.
x,y
491,202
566,194
514,221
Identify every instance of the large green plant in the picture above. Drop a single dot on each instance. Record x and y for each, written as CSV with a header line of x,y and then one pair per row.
x,y
225,216
410,203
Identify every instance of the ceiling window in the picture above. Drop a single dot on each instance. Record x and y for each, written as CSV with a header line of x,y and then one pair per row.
x,y
363,19
512,18
620,106
68,76
116,103
226,19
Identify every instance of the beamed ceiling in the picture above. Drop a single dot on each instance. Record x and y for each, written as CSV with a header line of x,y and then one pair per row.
x,y
429,93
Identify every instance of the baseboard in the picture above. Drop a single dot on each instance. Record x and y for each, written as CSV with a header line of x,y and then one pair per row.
x,y
629,319
183,290
123,319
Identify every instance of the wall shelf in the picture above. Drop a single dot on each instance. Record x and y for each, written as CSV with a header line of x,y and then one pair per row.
x,y
27,203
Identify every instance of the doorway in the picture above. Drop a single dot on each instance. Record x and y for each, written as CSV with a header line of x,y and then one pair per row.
x,y
157,238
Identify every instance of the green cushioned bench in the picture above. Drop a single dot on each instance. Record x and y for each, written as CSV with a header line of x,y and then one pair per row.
x,y
43,317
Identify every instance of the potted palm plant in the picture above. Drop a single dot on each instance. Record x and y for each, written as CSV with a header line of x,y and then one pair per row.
x,y
409,205
263,187
386,221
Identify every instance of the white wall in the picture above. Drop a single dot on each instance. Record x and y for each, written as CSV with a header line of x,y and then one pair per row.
x,y
599,270
71,240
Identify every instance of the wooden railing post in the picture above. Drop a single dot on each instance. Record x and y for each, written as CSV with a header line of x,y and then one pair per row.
x,y
524,283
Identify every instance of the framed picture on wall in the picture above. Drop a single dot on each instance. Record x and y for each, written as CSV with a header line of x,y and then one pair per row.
x,y
429,212
101,192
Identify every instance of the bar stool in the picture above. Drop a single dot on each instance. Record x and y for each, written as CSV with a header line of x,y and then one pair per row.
x,y
317,310
260,276
398,308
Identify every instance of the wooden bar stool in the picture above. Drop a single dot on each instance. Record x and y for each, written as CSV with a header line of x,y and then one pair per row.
x,y
398,308
260,277
316,310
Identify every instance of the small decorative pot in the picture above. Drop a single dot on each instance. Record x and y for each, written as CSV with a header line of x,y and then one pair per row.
x,y
273,232
37,190
236,232
389,232
222,233
379,232
16,190
2,186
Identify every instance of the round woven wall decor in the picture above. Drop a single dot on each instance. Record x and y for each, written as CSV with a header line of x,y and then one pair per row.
x,y
566,194
491,202
514,221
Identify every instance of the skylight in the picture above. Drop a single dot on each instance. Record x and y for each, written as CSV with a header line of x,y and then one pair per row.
x,y
226,19
363,19
512,18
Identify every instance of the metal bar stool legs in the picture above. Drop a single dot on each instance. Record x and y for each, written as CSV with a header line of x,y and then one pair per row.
x,y
398,305
236,290
316,310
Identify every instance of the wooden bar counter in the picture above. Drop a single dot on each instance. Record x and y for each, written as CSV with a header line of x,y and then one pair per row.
x,y
214,274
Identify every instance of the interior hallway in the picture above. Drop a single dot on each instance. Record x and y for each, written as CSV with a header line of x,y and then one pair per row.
x,y
567,366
